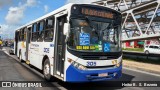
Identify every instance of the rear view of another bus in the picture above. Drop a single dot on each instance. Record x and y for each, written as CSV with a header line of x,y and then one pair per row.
x,y
94,50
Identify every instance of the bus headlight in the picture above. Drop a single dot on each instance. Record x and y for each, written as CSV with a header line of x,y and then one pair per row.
x,y
77,65
119,64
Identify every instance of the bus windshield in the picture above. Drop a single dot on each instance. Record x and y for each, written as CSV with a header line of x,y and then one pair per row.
x,y
94,36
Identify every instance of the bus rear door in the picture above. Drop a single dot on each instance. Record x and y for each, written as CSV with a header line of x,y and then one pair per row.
x,y
16,42
27,43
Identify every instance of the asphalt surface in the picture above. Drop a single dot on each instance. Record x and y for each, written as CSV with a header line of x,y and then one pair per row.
x,y
12,70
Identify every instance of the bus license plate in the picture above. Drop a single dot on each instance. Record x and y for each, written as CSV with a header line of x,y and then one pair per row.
x,y
103,74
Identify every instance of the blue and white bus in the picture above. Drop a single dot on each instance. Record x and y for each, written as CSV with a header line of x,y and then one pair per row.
x,y
75,43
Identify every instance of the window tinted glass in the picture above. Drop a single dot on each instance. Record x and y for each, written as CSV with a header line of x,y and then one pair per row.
x,y
34,27
40,31
41,27
156,47
34,32
50,23
151,47
29,36
49,31
22,35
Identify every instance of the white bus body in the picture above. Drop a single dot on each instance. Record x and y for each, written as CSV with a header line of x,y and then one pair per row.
x,y
48,46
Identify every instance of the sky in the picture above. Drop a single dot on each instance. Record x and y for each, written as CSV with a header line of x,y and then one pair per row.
x,y
15,13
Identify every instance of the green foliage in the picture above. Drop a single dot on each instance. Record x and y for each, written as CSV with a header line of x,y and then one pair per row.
x,y
134,49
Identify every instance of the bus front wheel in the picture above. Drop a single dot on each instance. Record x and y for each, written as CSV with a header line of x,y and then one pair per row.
x,y
47,70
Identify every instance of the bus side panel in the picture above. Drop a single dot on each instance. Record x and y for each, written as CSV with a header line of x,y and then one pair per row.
x,y
46,49
18,48
37,52
23,50
34,54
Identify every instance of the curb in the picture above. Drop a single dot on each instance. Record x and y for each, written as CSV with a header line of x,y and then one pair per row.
x,y
142,69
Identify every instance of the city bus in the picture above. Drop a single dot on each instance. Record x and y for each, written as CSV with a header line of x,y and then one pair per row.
x,y
75,43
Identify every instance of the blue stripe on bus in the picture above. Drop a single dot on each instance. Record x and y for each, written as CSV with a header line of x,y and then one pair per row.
x,y
51,45
75,75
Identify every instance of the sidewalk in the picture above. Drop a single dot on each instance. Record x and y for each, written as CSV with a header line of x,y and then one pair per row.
x,y
153,68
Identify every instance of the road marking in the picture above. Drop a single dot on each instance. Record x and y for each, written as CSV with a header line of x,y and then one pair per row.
x,y
140,71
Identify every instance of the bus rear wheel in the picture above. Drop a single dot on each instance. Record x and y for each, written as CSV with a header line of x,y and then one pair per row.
x,y
47,70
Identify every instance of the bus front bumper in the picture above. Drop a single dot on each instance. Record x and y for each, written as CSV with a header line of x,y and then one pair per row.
x,y
75,75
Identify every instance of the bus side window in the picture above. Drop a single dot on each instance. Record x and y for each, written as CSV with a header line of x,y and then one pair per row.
x,y
34,32
19,35
21,31
16,36
22,34
49,30
40,32
29,36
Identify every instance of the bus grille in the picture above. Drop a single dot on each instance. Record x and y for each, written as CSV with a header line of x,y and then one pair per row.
x,y
92,67
99,57
96,55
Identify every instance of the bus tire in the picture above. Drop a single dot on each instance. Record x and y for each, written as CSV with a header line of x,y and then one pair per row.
x,y
30,65
147,52
47,70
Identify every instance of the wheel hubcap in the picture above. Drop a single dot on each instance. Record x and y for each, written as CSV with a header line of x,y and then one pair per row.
x,y
46,69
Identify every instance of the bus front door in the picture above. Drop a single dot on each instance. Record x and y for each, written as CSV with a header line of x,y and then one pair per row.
x,y
60,46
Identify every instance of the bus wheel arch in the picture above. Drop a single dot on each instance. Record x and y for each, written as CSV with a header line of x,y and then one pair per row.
x,y
44,58
46,68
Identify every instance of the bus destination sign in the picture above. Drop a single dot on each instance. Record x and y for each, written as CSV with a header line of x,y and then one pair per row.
x,y
98,13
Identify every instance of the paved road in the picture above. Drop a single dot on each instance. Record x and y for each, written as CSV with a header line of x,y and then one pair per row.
x,y
12,70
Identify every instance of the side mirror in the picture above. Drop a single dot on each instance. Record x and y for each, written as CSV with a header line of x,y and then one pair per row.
x,y
66,28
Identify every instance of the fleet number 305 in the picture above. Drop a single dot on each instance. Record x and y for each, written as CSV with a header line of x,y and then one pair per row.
x,y
89,63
